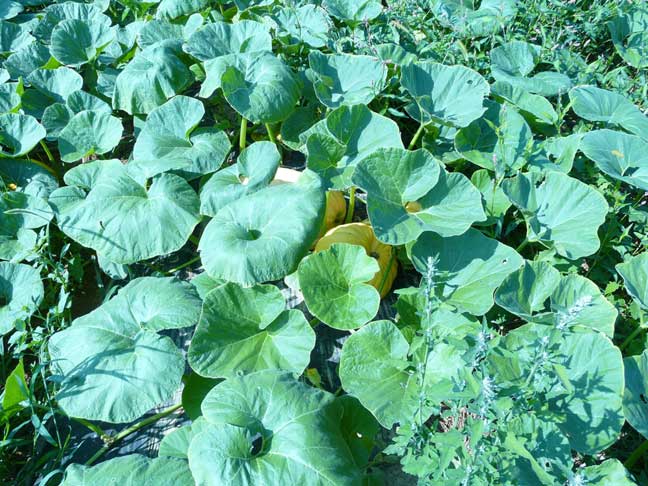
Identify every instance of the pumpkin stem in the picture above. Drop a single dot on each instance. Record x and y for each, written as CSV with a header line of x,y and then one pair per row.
x,y
352,198
243,133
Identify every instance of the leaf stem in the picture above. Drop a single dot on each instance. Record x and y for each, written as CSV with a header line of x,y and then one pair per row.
x,y
185,264
111,441
416,137
272,136
352,198
636,455
243,133
522,245
94,427
53,167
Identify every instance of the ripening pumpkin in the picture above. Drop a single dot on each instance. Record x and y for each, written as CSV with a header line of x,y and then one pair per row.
x,y
335,202
362,234
335,211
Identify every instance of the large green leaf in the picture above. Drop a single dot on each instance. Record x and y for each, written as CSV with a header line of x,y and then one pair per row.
x,y
9,98
21,292
353,11
535,108
467,21
500,140
635,401
170,133
494,201
591,415
359,428
346,79
13,37
242,330
24,209
374,367
263,236
335,288
449,95
156,31
172,9
89,133
468,267
194,391
16,243
153,76
220,38
309,24
525,291
408,193
50,86
261,87
61,11
560,151
628,32
577,301
547,455
131,469
581,384
221,45
601,105
255,168
574,300
609,472
10,9
176,443
619,155
335,145
635,277
561,212
205,284
27,60
57,116
108,211
19,134
76,42
268,428
514,61
111,364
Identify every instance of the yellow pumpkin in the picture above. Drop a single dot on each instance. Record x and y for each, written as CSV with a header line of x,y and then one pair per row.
x,y
335,211
11,186
362,234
